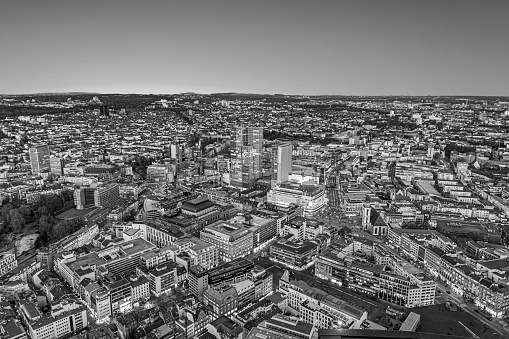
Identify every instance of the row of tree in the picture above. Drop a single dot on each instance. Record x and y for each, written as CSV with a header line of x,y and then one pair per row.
x,y
14,217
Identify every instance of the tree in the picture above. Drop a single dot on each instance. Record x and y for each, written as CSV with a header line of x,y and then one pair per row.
x,y
46,223
65,227
68,198
345,230
25,212
130,216
17,220
6,216
41,241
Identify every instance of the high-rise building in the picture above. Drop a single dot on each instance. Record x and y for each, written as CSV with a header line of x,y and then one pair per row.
x,y
283,162
56,166
39,158
198,280
104,110
105,196
84,197
246,156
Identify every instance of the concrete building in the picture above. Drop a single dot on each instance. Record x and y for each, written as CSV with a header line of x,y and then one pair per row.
x,y
39,158
102,196
163,278
223,300
160,172
56,166
310,197
8,262
64,319
296,255
246,155
230,272
198,281
283,162
232,241
117,259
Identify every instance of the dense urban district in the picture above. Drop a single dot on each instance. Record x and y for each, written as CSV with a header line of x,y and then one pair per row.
x,y
239,216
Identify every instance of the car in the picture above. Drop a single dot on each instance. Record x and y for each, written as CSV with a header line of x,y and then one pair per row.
x,y
476,310
448,292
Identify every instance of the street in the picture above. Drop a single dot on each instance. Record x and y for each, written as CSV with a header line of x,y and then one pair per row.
x,y
496,324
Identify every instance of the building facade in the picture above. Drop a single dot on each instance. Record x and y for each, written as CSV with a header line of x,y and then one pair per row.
x,y
246,155
39,158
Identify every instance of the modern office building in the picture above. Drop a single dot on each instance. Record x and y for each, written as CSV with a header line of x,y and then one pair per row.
x,y
101,196
140,288
104,110
246,156
64,319
198,252
232,241
107,196
100,303
302,228
282,162
230,272
39,158
84,197
310,197
358,276
198,280
117,259
316,307
120,292
296,255
163,278
56,166
289,327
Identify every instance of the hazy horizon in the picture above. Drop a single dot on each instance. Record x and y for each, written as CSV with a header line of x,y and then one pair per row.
x,y
351,48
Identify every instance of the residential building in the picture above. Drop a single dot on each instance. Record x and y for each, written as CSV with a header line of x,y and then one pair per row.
x,y
223,301
7,262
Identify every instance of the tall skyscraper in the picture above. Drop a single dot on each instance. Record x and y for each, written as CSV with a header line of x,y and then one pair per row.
x,y
39,158
104,110
56,166
246,156
283,162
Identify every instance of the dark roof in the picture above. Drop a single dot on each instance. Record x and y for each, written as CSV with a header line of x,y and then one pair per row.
x,y
197,204
376,219
368,334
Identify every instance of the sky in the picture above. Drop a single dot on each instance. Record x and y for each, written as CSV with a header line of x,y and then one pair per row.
x,y
308,47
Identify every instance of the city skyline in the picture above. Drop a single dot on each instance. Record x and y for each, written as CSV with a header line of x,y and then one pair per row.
x,y
330,47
